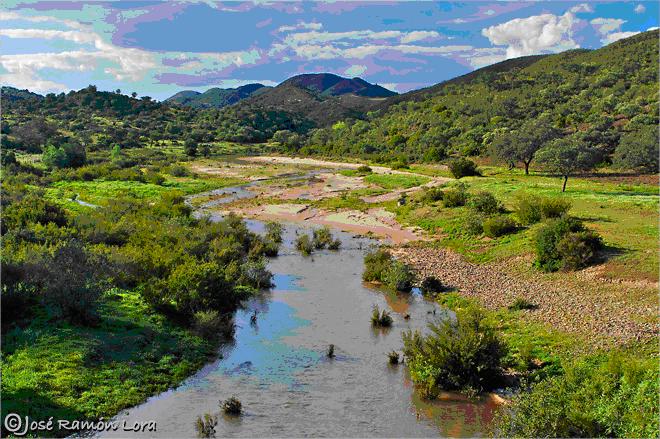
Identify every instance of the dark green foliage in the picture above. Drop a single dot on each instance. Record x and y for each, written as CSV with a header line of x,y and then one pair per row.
x,y
638,149
431,285
364,169
232,406
274,231
32,209
190,148
178,171
455,196
398,277
205,425
381,318
566,244
431,195
459,354
474,224
520,304
567,156
304,245
323,238
211,324
485,203
615,395
462,167
499,225
393,357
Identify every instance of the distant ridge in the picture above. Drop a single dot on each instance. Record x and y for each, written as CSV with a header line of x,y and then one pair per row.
x,y
215,97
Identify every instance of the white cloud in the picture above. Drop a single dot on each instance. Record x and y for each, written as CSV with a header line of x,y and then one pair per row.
x,y
489,12
418,35
484,56
616,36
582,7
640,9
607,25
355,70
301,25
533,35
459,21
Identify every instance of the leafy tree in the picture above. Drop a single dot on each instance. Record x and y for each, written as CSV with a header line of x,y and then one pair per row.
x,y
638,150
190,148
54,157
566,157
523,144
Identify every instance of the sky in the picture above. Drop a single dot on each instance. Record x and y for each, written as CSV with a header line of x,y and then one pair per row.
x,y
160,48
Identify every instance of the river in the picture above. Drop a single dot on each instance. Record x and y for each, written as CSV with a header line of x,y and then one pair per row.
x,y
279,370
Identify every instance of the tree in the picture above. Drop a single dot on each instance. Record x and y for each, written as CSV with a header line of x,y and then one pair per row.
x,y
190,147
115,153
522,145
638,150
566,156
54,157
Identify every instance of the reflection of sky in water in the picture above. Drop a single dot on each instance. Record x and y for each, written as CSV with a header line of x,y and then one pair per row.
x,y
286,282
261,352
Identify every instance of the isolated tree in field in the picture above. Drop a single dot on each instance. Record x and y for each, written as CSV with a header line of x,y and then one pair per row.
x,y
190,147
522,145
638,150
566,157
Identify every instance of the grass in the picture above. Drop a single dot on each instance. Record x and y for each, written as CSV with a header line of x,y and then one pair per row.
x,y
53,369
625,216
396,181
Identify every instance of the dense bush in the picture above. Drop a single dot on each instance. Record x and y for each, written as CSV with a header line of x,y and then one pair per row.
x,y
531,209
323,238
364,169
304,245
497,226
232,406
381,267
459,354
432,284
485,203
565,244
455,196
474,224
274,231
462,167
398,277
210,324
205,425
597,396
381,318
375,265
431,195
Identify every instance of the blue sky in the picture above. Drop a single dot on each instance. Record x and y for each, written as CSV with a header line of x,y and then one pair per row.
x,y
159,48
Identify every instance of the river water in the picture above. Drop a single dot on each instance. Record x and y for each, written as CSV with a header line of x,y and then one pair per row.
x,y
279,370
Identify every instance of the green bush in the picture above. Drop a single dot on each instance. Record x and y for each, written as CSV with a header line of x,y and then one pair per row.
x,y
462,167
178,171
614,395
393,357
375,265
531,209
485,203
498,226
232,406
381,318
304,245
322,238
210,324
520,304
474,224
431,195
398,277
432,284
205,425
364,169
459,354
274,231
565,244
455,196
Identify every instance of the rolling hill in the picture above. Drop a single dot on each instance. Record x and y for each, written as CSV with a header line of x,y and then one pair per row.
x,y
215,97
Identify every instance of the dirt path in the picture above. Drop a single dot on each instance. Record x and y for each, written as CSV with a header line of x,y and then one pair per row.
x,y
567,302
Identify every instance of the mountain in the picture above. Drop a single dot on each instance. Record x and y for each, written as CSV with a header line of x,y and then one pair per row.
x,y
215,97
320,98
601,96
327,84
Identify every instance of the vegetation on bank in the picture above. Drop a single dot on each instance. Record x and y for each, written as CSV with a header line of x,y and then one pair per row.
x,y
103,306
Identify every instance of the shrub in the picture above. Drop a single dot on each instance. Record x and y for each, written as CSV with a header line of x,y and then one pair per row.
x,y
210,324
381,319
393,357
335,244
456,196
432,284
331,351
322,238
431,195
232,406
178,171
375,265
596,396
565,243
398,277
459,354
520,304
364,169
532,209
462,167
474,224
554,207
274,231
498,226
485,203
255,274
304,245
205,425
